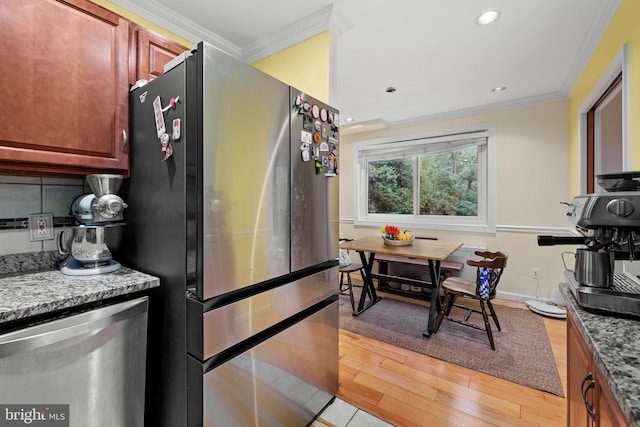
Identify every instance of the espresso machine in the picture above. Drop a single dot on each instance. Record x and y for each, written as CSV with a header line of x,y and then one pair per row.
x,y
99,217
607,261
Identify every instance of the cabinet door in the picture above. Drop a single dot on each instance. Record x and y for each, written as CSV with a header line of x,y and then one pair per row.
x,y
64,87
608,413
153,52
579,378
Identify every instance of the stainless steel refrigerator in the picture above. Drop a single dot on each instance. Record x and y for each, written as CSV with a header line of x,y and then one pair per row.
x,y
233,203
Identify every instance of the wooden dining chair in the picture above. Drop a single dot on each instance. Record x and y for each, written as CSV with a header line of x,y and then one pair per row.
x,y
483,290
346,268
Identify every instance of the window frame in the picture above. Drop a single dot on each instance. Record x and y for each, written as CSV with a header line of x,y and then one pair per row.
x,y
376,150
620,64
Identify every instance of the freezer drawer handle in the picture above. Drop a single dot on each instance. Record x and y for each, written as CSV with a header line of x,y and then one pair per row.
x,y
85,323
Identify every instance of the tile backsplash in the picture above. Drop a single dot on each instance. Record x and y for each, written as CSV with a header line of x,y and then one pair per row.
x,y
21,196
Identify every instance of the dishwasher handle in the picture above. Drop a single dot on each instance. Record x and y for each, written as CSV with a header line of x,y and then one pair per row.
x,y
39,336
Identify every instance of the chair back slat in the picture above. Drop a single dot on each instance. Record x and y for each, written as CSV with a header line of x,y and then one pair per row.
x,y
489,271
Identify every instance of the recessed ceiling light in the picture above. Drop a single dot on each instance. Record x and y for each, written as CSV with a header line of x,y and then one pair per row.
x,y
348,119
488,17
499,89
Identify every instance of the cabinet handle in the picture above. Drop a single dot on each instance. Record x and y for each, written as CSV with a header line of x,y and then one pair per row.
x,y
124,141
585,389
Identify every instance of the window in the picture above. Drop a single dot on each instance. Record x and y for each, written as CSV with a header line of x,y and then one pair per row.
x,y
438,181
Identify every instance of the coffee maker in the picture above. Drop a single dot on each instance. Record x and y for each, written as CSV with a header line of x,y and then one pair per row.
x,y
99,219
608,224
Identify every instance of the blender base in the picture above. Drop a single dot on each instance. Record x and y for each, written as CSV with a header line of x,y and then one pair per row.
x,y
73,267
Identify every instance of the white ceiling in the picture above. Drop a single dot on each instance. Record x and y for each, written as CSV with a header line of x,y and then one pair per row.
x,y
440,61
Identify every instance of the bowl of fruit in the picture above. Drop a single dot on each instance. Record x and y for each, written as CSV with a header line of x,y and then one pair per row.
x,y
394,237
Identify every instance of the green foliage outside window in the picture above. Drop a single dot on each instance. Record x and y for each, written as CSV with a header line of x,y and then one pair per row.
x,y
448,184
391,187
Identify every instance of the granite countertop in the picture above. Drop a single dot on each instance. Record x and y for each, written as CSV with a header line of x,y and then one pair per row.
x,y
615,344
30,287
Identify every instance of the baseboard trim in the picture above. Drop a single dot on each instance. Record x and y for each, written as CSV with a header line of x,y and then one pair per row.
x,y
518,297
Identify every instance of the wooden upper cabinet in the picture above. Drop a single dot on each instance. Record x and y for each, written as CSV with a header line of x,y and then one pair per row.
x,y
152,53
64,87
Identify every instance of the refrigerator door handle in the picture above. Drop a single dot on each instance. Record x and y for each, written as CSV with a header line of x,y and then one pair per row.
x,y
61,330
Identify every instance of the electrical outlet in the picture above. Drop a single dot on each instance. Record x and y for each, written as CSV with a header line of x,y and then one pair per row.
x,y
40,227
535,272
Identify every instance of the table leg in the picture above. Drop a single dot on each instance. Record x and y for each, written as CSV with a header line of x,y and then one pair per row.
x,y
434,305
368,287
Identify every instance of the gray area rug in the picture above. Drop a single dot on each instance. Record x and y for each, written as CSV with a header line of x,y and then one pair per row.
x,y
523,353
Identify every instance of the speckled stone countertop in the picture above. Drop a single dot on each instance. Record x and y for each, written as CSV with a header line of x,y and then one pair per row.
x,y
31,284
615,344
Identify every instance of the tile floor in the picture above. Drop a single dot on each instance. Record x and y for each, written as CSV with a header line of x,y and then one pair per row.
x,y
343,414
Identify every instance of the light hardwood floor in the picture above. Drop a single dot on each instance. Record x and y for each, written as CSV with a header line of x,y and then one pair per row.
x,y
409,389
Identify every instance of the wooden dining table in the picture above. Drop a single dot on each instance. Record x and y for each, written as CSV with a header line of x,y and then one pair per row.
x,y
434,251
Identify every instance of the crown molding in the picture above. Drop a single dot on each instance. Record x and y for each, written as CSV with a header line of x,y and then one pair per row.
x,y
293,34
608,9
361,127
482,109
177,24
339,24
305,28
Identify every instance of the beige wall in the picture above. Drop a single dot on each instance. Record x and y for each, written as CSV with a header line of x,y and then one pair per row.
x,y
532,179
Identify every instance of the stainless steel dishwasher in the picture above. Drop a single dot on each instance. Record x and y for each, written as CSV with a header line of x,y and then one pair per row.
x,y
93,361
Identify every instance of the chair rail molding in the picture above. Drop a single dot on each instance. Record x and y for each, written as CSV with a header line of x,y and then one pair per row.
x,y
532,229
